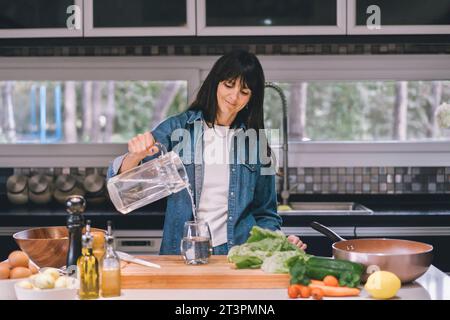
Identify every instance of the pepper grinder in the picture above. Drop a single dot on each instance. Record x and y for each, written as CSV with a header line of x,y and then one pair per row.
x,y
75,223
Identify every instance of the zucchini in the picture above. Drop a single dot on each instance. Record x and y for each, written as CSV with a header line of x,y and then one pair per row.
x,y
348,273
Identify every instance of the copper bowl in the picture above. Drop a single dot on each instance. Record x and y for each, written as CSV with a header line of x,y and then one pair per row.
x,y
46,246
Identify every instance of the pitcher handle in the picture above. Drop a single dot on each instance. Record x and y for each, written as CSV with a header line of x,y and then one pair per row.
x,y
161,147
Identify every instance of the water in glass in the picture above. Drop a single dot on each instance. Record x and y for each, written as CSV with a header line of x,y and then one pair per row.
x,y
196,245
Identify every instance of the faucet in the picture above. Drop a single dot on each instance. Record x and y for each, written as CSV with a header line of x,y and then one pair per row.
x,y
285,190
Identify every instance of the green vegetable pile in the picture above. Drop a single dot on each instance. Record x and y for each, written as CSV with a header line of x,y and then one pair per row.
x,y
348,273
273,253
265,249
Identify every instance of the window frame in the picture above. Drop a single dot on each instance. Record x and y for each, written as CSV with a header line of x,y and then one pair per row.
x,y
91,31
339,28
358,68
277,68
354,29
46,32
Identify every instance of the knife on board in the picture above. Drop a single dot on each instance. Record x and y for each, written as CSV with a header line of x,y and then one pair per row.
x,y
129,258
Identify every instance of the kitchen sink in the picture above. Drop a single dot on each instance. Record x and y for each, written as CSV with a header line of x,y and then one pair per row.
x,y
326,209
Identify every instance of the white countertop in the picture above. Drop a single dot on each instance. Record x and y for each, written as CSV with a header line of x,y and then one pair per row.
x,y
433,285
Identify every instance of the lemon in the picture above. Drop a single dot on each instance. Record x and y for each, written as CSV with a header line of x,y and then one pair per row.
x,y
284,207
383,285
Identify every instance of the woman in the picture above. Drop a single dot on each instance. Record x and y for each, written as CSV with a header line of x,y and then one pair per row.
x,y
232,197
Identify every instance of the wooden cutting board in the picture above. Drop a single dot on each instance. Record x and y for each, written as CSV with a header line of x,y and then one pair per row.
x,y
218,273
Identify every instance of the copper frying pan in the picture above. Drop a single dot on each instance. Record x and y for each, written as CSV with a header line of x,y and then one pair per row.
x,y
407,259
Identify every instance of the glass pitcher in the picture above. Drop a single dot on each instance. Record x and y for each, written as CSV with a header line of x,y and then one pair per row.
x,y
149,182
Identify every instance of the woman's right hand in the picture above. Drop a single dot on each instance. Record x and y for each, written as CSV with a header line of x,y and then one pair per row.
x,y
141,146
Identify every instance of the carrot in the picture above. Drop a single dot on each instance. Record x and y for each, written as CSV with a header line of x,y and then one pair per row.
x,y
317,293
305,292
336,291
298,286
321,283
293,291
331,281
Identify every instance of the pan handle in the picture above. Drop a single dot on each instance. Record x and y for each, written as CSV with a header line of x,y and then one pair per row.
x,y
326,231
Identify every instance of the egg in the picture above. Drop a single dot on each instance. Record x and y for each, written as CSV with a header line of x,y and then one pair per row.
x,y
54,273
20,272
4,271
33,268
44,281
25,284
62,282
18,259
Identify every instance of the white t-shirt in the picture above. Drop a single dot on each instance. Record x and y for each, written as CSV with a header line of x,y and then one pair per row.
x,y
213,207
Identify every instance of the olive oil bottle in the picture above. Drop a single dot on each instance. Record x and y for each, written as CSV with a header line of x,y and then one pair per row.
x,y
88,268
110,267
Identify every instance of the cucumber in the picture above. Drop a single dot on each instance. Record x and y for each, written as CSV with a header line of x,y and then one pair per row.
x,y
348,273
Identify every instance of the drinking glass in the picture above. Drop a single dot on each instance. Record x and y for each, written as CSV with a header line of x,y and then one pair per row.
x,y
196,245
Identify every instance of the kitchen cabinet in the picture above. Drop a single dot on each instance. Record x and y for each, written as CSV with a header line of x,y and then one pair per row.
x,y
112,18
267,17
137,18
40,19
398,17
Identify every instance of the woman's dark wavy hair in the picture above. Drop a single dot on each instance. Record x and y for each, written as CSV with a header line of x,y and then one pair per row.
x,y
235,64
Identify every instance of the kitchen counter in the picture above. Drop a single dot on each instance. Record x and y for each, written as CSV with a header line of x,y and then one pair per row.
x,y
424,224
433,285
424,218
154,218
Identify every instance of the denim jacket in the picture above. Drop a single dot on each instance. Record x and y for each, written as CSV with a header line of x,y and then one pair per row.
x,y
251,195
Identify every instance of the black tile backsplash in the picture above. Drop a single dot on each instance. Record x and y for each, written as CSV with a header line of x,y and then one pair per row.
x,y
4,174
352,180
368,180
192,46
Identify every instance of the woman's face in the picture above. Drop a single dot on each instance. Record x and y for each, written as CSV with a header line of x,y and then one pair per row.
x,y
231,96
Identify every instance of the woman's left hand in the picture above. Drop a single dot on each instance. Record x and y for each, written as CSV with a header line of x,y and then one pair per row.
x,y
296,240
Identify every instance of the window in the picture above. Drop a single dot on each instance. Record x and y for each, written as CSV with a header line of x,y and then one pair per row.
x,y
406,12
23,14
85,111
271,13
360,110
138,13
266,17
334,84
